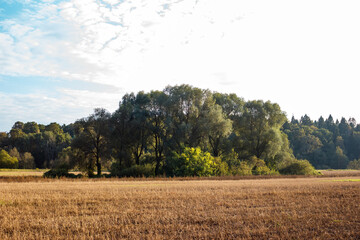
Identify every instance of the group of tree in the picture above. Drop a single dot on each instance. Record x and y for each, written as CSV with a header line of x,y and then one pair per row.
x,y
183,131
33,145
326,143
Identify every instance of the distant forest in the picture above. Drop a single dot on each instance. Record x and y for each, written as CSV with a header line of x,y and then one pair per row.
x,y
184,131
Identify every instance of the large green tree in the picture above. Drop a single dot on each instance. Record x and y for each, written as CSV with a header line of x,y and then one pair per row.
x,y
259,130
157,108
93,138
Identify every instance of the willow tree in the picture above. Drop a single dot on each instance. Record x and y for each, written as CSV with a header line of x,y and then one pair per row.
x,y
213,126
157,110
93,138
259,130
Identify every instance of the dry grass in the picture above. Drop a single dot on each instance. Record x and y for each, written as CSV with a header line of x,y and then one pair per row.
x,y
27,175
301,208
22,172
341,173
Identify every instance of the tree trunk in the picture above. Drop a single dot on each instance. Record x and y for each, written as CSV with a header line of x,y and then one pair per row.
x,y
158,160
98,166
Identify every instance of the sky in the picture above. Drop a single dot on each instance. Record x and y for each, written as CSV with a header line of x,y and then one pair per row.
x,y
60,59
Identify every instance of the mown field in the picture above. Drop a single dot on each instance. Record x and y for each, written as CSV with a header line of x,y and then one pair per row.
x,y
279,208
22,172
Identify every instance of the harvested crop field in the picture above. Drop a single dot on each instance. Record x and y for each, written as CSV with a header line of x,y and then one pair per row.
x,y
288,208
22,172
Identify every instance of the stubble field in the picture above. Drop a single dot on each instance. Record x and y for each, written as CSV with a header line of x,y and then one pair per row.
x,y
284,208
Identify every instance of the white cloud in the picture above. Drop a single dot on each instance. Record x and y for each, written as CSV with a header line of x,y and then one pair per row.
x,y
119,45
70,106
289,52
86,99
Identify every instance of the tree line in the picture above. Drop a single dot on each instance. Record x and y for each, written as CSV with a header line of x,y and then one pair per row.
x,y
326,143
185,131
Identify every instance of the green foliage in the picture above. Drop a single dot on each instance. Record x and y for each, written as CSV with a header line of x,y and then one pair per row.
x,y
185,131
56,173
259,167
92,140
18,125
39,143
325,143
355,164
258,130
261,170
194,162
26,160
146,170
197,163
221,168
243,169
214,126
339,160
60,172
14,153
231,158
299,167
65,159
55,128
31,127
6,161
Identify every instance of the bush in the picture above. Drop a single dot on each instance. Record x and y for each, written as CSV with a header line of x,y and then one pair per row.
x,y
221,168
115,169
146,170
242,170
232,159
261,170
355,164
194,162
6,161
259,167
253,166
299,167
172,165
26,161
57,173
60,172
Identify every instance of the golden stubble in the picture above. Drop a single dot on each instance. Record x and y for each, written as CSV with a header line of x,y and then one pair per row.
x,y
299,208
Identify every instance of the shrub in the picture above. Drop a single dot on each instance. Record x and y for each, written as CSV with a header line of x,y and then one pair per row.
x,y
6,161
258,166
221,168
146,170
60,172
231,158
194,162
115,169
260,170
355,164
26,161
242,170
299,167
172,165
57,173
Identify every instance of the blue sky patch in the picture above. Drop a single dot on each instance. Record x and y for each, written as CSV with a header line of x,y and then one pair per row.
x,y
15,8
8,10
48,86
